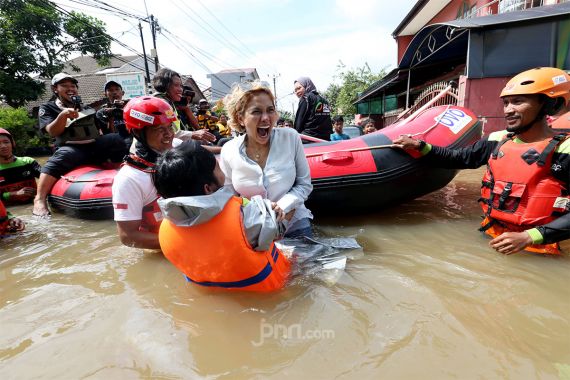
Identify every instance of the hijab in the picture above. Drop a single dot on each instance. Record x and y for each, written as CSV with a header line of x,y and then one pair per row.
x,y
307,83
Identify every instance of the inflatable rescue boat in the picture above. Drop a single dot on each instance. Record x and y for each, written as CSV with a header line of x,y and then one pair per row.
x,y
85,193
363,173
367,173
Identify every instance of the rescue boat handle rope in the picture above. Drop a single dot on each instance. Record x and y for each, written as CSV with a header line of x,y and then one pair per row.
x,y
386,146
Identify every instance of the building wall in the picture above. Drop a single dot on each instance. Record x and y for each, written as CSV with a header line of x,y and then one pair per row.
x,y
482,97
448,13
223,82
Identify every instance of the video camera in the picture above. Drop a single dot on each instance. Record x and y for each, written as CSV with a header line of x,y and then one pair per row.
x,y
116,109
187,91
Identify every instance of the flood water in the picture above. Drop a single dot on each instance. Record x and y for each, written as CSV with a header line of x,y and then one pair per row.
x,y
427,300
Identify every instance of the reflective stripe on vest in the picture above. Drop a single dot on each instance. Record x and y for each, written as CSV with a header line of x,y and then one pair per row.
x,y
265,272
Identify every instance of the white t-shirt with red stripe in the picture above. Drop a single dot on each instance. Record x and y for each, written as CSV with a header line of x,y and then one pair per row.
x,y
132,190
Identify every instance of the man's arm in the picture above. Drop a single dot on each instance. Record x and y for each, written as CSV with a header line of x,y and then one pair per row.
x,y
470,157
57,126
130,235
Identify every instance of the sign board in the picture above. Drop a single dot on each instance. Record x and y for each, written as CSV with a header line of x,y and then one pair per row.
x,y
132,83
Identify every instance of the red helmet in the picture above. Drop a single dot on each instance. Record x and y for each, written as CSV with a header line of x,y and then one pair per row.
x,y
147,111
9,135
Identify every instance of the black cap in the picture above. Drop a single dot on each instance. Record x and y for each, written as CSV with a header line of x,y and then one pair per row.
x,y
110,83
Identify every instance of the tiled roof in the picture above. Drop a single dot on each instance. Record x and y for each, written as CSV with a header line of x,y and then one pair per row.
x,y
88,64
91,84
90,90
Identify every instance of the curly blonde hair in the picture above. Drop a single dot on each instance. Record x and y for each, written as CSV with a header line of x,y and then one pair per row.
x,y
236,101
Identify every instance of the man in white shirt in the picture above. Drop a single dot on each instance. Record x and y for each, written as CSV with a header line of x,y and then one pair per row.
x,y
150,121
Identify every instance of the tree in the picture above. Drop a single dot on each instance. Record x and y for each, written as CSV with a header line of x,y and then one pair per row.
x,y
352,83
37,38
21,127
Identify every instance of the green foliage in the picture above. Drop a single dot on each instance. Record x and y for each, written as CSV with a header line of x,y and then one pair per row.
x,y
36,38
286,115
21,126
219,107
352,83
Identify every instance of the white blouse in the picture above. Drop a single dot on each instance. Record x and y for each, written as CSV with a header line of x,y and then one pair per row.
x,y
286,178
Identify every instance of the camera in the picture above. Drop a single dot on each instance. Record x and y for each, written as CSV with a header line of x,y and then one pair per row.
x,y
76,100
117,109
187,91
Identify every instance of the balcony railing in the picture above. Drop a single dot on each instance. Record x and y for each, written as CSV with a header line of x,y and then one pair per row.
x,y
504,6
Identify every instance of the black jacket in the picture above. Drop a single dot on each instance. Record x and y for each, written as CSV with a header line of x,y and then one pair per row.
x,y
314,116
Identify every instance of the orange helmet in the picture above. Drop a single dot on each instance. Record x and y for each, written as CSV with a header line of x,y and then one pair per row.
x,y
147,111
549,81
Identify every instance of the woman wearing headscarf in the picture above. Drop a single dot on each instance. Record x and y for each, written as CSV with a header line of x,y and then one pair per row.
x,y
313,114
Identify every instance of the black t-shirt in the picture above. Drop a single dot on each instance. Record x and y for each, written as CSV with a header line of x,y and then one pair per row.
x,y
48,112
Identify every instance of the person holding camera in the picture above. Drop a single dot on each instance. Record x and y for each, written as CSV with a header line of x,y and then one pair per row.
x,y
110,117
77,138
168,84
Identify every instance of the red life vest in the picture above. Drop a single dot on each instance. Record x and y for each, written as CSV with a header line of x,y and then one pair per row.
x,y
519,191
151,215
223,260
4,221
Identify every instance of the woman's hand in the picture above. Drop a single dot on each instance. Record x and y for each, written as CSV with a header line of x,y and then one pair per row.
x,y
406,142
279,213
511,242
289,215
203,135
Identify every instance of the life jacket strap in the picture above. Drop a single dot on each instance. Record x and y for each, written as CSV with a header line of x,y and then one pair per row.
x,y
139,163
495,153
556,140
255,279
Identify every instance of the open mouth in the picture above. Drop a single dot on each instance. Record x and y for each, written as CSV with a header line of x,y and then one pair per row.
x,y
263,131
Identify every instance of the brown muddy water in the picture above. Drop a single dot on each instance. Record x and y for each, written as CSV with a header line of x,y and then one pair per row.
x,y
427,300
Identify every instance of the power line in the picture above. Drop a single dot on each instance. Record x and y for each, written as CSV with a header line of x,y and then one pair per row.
x,y
253,54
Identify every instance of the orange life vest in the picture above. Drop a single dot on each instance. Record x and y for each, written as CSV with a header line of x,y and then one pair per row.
x,y
519,191
223,260
151,215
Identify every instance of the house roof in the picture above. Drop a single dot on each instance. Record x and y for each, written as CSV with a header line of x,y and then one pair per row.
x,y
420,14
544,11
458,42
455,49
88,65
91,77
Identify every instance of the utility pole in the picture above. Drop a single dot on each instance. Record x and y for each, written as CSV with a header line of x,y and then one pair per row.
x,y
144,56
275,76
153,53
